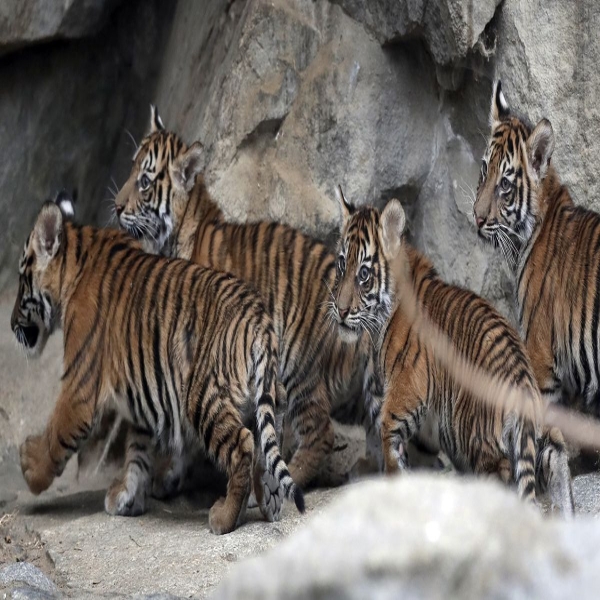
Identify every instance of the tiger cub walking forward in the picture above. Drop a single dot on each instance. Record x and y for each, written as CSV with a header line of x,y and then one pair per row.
x,y
417,390
181,349
522,207
165,201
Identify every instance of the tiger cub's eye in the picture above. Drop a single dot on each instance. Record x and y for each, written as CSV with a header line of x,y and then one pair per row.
x,y
505,184
144,182
341,263
364,273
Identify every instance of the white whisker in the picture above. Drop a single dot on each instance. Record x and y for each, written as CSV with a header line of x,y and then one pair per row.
x,y
135,144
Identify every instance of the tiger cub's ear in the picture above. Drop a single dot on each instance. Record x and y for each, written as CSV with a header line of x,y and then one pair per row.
x,y
499,109
156,123
540,146
48,231
393,221
346,207
187,166
66,203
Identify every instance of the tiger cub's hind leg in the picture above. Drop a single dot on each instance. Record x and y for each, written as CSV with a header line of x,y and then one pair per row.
x,y
226,513
505,473
231,446
128,493
553,477
313,429
402,413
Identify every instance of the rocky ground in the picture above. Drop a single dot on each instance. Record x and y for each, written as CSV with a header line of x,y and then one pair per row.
x,y
382,537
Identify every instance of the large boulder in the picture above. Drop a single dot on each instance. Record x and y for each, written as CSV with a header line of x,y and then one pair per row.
x,y
425,537
308,99
294,97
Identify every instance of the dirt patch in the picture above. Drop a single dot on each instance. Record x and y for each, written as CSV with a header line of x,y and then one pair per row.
x,y
18,543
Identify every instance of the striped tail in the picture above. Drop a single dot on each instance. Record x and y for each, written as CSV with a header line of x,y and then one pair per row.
x,y
265,418
524,458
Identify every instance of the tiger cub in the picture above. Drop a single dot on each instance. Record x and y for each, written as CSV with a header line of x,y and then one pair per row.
x,y
552,246
417,391
166,203
182,350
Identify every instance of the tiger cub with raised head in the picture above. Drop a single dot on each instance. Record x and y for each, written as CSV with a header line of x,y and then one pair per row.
x,y
182,350
412,391
552,246
166,203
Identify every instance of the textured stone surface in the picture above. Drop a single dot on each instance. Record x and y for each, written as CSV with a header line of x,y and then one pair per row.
x,y
24,572
24,592
292,97
425,537
168,550
23,22
63,110
547,57
306,100
587,493
450,28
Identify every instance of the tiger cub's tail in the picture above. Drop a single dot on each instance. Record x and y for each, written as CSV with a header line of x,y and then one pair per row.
x,y
525,457
266,385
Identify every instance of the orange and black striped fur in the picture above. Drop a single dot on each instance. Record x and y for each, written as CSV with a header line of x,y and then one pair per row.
x,y
522,205
418,392
182,351
166,203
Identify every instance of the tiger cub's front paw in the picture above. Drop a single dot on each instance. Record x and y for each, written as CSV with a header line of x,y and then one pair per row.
x,y
120,500
36,464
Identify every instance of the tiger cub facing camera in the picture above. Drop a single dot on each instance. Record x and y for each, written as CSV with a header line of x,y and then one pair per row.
x,y
408,388
182,350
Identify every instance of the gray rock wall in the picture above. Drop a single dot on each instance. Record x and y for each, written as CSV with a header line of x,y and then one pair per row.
x,y
64,106
387,98
291,97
